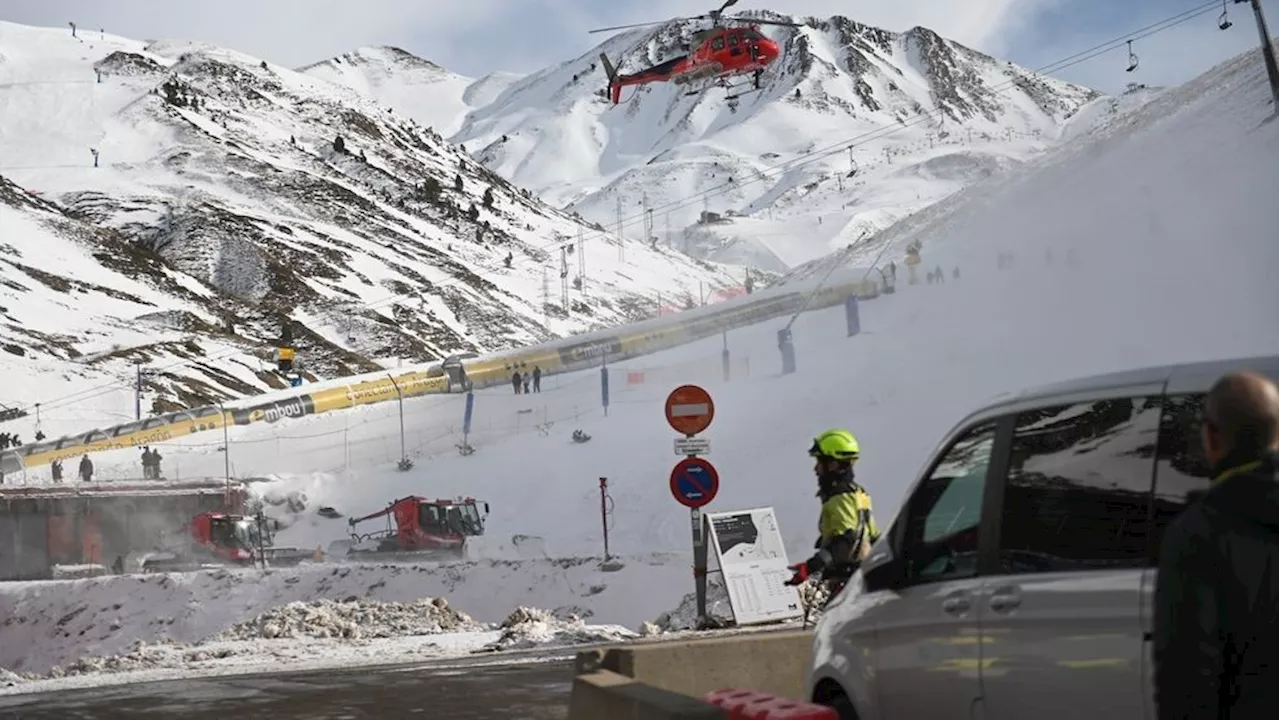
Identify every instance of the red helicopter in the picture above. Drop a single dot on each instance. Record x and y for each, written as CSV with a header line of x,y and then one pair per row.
x,y
719,53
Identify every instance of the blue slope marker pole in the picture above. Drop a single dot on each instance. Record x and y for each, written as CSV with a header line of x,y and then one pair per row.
x,y
466,416
851,319
724,354
788,350
604,388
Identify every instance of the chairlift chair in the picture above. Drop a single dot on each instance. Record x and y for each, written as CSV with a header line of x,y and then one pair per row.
x,y
1223,22
1133,59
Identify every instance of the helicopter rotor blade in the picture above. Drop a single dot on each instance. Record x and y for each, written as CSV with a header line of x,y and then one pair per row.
x,y
779,23
647,24
762,22
627,27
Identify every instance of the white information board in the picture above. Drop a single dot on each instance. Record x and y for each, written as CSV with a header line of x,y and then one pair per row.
x,y
753,563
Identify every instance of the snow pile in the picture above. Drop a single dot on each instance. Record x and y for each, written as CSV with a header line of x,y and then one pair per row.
x,y
353,619
528,627
340,607
685,615
141,656
154,661
326,633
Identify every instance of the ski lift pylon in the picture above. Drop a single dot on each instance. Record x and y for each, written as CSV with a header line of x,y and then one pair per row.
x,y
1133,59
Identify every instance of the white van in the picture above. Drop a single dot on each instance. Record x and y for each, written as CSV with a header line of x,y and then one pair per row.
x,y
1016,581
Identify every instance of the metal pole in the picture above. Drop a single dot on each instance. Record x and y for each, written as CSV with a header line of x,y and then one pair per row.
x,y
137,393
226,450
1268,52
604,514
400,401
724,354
699,565
604,385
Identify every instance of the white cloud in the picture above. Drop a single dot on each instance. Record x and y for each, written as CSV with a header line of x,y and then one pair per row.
x,y
289,32
472,36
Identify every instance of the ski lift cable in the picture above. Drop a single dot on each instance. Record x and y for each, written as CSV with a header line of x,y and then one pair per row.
x,y
804,159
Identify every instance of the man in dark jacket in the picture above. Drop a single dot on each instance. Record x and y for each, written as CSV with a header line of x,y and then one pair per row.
x,y
1215,640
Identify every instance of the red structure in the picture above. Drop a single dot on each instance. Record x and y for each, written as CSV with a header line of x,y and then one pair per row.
x,y
752,705
97,523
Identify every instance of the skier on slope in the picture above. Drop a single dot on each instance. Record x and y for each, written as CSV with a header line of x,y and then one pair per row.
x,y
846,526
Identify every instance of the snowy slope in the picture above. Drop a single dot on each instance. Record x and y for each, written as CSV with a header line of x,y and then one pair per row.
x,y
1097,114
1201,158
411,86
225,168
1005,212
934,114
80,302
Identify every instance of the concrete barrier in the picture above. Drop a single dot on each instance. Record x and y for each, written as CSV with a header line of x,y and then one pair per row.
x,y
602,695
771,662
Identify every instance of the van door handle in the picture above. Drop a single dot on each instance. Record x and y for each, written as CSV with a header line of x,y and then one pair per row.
x,y
1006,598
956,603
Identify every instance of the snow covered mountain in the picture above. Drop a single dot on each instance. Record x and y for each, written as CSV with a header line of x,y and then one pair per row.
x,y
413,87
931,117
239,197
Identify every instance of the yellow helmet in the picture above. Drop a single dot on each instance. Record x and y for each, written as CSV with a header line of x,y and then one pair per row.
x,y
838,444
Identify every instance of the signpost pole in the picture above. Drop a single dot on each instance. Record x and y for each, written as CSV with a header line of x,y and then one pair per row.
x,y
694,481
699,564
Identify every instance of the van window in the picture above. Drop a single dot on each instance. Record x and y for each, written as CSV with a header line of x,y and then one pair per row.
x,y
1181,467
1078,487
941,541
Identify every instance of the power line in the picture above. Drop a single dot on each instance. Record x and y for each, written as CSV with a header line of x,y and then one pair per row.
x,y
801,160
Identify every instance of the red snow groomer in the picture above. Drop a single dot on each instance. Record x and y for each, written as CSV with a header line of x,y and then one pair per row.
x,y
218,538
418,529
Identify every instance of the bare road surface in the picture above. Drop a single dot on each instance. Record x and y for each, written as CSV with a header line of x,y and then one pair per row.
x,y
470,689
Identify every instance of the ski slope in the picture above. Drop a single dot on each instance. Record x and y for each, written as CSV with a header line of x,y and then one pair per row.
x,y
1169,213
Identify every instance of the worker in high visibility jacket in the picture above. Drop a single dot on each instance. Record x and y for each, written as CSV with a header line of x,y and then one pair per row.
x,y
846,525
285,355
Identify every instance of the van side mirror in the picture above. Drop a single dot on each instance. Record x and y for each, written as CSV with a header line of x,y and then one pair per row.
x,y
486,508
886,575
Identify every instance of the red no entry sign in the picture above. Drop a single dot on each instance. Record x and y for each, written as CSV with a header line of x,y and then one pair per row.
x,y
689,409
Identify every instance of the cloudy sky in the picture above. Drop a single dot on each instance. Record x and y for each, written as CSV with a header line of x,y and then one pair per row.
x,y
474,37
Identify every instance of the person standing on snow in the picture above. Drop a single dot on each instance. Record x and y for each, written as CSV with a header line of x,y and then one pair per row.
x,y
846,525
1214,637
